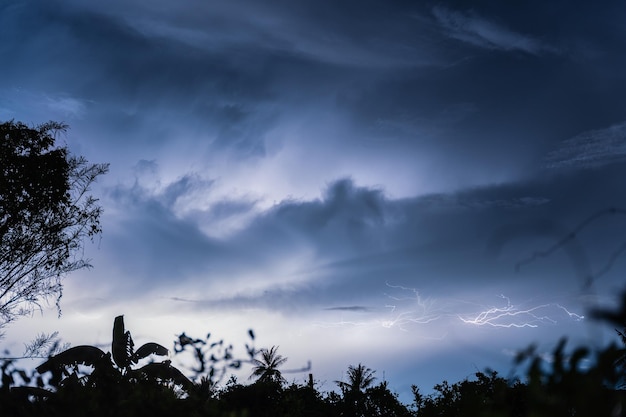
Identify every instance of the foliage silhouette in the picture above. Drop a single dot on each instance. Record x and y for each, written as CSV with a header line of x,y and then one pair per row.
x,y
381,402
45,214
581,382
487,395
213,360
360,378
569,382
571,237
115,368
266,368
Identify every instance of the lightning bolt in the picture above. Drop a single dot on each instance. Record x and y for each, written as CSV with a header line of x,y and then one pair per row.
x,y
574,316
406,309
513,316
422,311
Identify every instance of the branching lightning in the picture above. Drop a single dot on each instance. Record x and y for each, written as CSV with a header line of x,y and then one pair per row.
x,y
514,316
406,309
421,312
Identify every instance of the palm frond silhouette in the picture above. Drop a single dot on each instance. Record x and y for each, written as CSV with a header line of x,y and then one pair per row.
x,y
360,378
266,368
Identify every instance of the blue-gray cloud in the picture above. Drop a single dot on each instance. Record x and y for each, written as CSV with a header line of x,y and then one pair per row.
x,y
357,241
224,80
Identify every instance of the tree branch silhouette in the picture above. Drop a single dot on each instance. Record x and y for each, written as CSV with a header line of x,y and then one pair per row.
x,y
571,236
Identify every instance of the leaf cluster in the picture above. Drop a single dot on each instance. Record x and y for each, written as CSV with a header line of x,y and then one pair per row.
x,y
213,359
112,368
266,368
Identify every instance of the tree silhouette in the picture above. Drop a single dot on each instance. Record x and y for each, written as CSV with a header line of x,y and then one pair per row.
x,y
360,378
266,368
381,402
45,214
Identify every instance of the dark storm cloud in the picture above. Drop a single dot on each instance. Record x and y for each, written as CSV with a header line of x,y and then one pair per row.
x,y
524,100
124,74
360,242
426,79
112,55
349,33
163,246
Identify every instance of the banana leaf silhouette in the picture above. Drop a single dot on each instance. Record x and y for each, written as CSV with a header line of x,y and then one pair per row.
x,y
162,371
117,365
78,355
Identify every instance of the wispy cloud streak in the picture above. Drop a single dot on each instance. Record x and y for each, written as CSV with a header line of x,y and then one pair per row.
x,y
475,30
591,149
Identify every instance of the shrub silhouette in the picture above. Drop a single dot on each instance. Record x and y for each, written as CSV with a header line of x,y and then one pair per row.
x,y
213,359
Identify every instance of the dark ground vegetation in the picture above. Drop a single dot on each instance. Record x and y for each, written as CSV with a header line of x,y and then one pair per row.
x,y
86,381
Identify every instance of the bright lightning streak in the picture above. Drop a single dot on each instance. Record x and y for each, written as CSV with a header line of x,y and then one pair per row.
x,y
405,318
575,316
423,314
512,316
406,310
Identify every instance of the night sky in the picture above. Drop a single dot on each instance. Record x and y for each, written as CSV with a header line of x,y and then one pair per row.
x,y
355,180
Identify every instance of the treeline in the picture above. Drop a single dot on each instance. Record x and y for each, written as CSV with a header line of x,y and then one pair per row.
x,y
85,381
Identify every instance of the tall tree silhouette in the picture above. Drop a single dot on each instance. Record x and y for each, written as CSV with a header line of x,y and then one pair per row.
x,y
45,214
266,368
354,401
